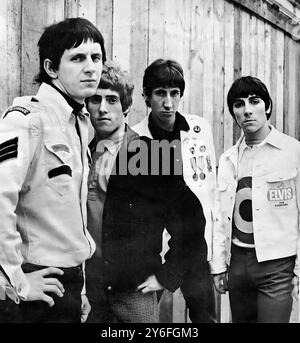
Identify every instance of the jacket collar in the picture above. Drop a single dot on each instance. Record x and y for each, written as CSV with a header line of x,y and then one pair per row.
x,y
159,133
50,95
274,138
130,138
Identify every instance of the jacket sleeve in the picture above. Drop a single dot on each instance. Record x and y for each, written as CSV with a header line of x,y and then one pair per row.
x,y
218,261
17,143
187,242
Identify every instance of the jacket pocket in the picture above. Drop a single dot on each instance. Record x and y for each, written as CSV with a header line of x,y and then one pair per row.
x,y
282,175
58,152
59,174
281,187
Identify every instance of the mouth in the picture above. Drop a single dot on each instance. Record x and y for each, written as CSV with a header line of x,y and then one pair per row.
x,y
89,81
249,121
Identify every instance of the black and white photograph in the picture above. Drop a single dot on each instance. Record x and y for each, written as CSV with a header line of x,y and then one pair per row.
x,y
149,164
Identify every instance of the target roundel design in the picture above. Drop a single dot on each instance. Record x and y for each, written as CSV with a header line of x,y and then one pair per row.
x,y
242,216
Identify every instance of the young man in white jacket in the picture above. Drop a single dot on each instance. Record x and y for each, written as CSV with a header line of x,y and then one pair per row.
x,y
259,184
193,159
44,242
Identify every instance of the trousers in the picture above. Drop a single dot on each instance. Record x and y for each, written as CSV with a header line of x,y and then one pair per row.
x,y
260,292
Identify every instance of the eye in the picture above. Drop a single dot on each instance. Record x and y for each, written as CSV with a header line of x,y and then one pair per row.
x,y
112,100
238,104
254,101
95,99
77,58
175,94
160,92
97,58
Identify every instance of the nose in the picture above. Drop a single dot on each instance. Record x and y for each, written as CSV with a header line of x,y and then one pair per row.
x,y
89,65
168,101
103,107
248,109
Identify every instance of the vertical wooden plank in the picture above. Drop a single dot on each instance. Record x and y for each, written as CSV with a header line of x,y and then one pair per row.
x,y
138,57
34,19
172,31
273,74
229,71
185,21
218,76
298,116
225,309
10,43
197,57
297,96
253,45
278,113
157,12
294,111
104,22
260,49
268,57
71,8
179,308
3,55
237,59
87,9
174,35
122,32
208,57
246,55
290,81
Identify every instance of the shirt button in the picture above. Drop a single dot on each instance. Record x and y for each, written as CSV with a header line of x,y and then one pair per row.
x,y
130,205
109,288
177,160
106,262
257,209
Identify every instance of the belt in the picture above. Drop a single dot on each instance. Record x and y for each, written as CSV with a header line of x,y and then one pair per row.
x,y
70,273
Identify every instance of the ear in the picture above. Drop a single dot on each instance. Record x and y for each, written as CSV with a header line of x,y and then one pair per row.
x,y
48,66
268,110
127,111
146,99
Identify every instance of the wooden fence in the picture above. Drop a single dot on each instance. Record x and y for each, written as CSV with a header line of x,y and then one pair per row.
x,y
214,40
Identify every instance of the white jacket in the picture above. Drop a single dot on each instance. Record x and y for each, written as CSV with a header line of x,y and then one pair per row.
x,y
205,190
275,200
43,187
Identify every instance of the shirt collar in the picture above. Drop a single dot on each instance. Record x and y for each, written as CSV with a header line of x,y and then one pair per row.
x,y
76,106
273,138
112,144
159,133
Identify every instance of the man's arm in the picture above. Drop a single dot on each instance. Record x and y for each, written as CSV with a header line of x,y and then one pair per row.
x,y
187,241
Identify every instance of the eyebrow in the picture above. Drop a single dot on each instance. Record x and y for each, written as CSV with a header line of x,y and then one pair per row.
x,y
83,54
249,96
112,96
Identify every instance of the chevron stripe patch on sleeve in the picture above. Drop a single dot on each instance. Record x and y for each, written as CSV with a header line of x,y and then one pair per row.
x,y
9,149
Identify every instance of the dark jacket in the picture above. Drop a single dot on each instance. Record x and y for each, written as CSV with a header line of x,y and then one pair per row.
x,y
136,210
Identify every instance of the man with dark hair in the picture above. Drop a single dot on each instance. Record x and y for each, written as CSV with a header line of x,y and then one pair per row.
x,y
43,171
128,208
259,184
193,159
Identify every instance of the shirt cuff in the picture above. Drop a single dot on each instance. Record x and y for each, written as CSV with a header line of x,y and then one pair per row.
x,y
17,286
